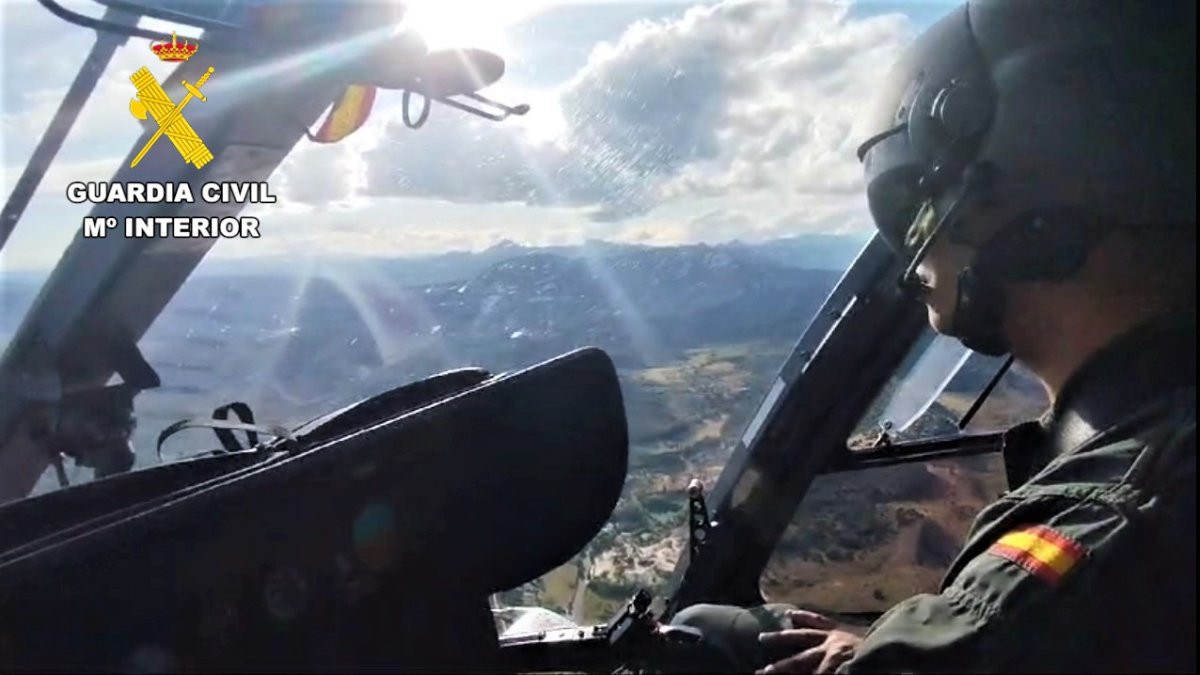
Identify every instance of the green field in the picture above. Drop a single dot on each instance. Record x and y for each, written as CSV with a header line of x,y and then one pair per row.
x,y
860,542
683,418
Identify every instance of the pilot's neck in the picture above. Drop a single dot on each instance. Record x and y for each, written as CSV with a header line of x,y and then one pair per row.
x,y
1055,342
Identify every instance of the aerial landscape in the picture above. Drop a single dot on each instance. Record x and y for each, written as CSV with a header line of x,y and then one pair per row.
x,y
696,333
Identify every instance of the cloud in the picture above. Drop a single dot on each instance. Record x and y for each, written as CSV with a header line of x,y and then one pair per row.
x,y
750,217
462,159
61,174
556,42
38,50
730,120
731,99
737,97
319,174
791,126
408,226
400,226
717,225
41,55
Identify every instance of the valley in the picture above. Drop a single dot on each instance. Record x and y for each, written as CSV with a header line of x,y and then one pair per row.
x,y
696,334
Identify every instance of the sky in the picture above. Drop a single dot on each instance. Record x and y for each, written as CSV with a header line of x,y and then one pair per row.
x,y
652,121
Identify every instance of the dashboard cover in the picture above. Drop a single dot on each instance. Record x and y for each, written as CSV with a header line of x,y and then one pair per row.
x,y
475,493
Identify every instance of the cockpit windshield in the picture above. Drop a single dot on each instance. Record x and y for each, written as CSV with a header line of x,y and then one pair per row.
x,y
682,193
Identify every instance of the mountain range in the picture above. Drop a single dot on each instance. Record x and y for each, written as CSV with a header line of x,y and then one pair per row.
x,y
815,252
292,339
298,340
696,333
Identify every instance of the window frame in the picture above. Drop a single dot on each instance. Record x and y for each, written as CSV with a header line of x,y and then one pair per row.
x,y
866,327
905,453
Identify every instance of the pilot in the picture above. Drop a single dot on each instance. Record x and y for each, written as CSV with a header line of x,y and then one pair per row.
x,y
1034,165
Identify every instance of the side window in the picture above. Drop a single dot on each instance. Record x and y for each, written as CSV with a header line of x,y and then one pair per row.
x,y
936,385
861,541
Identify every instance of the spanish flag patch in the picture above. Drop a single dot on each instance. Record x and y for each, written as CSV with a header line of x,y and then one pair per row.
x,y
1040,551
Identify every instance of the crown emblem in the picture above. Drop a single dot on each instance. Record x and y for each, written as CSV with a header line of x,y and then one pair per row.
x,y
173,50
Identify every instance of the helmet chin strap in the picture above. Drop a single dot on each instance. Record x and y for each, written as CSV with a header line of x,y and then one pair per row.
x,y
978,320
1048,245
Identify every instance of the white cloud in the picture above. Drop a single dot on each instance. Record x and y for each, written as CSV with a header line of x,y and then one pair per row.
x,y
731,120
318,174
740,96
729,100
750,217
41,55
399,226
38,51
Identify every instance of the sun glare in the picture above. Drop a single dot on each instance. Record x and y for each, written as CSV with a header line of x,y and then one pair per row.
x,y
445,24
467,23
545,122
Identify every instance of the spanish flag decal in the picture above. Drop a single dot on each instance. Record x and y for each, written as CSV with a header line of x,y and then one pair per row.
x,y
1040,551
347,115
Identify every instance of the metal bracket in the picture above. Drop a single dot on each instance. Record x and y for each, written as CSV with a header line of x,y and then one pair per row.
x,y
94,425
636,613
699,522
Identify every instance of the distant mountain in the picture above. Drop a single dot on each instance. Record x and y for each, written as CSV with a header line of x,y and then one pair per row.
x,y
296,342
832,252
810,251
814,252
643,305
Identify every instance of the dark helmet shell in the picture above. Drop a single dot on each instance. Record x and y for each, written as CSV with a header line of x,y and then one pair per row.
x,y
1087,106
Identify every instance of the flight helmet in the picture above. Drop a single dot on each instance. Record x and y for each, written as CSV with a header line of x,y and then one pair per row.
x,y
1074,116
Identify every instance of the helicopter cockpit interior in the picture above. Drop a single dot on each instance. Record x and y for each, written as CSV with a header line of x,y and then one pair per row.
x,y
527,459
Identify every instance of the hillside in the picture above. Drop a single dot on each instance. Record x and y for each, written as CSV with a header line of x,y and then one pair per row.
x,y
696,333
862,542
821,252
685,416
859,542
297,346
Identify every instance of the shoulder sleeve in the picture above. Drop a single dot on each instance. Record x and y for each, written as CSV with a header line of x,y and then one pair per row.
x,y
1078,573
1009,607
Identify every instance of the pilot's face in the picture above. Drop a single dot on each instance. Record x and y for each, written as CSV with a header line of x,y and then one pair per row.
x,y
939,275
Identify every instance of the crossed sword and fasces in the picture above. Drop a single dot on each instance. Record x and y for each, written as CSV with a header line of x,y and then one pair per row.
x,y
169,117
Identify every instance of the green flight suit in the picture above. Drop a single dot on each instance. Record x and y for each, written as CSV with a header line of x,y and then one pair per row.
x,y
1088,565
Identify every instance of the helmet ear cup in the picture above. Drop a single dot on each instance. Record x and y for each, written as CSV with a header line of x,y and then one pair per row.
x,y
963,108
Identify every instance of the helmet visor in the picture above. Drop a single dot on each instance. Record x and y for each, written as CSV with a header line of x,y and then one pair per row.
x,y
906,212
914,160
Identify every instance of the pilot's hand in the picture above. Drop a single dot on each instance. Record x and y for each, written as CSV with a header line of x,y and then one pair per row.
x,y
819,643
